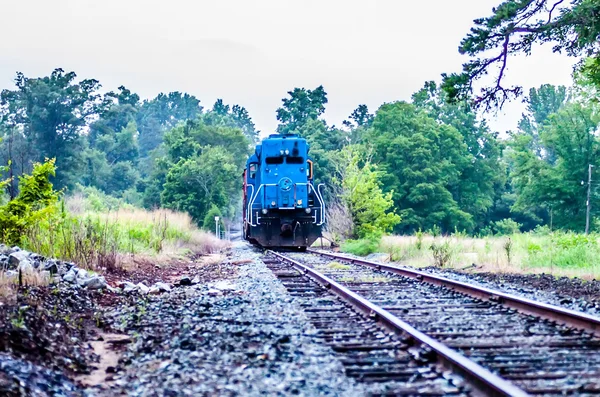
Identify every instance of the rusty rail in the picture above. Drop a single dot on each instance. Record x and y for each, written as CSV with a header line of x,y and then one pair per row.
x,y
482,380
561,315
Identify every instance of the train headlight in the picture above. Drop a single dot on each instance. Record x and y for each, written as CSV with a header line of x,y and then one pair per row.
x,y
273,203
299,202
264,211
307,210
287,152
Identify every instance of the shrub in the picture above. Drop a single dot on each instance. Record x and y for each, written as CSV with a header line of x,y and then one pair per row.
x,y
209,219
506,227
36,202
442,253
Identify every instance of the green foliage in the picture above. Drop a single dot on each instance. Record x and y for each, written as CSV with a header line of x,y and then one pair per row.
x,y
35,203
302,105
442,253
361,247
552,182
50,114
515,27
202,168
506,227
564,250
371,209
423,160
209,223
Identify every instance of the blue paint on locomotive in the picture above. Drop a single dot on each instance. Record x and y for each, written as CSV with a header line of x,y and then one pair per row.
x,y
280,193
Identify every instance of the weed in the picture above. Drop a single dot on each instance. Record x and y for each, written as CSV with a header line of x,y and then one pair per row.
x,y
419,243
442,253
508,249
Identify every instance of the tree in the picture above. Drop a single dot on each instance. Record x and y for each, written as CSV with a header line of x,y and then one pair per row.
x,y
202,167
52,113
360,117
302,105
422,160
541,104
235,116
482,175
162,113
558,186
513,28
195,184
35,202
371,210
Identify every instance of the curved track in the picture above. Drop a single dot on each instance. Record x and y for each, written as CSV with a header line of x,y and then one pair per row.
x,y
528,346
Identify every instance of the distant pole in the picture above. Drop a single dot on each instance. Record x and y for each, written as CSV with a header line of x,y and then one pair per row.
x,y
589,203
217,226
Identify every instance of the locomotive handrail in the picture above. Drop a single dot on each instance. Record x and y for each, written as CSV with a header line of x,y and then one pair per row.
x,y
322,203
251,204
248,209
318,194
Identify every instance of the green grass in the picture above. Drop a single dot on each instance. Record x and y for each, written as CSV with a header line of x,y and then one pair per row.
x,y
362,247
559,253
97,239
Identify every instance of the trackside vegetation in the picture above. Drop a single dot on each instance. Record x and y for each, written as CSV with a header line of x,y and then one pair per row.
x,y
540,251
95,236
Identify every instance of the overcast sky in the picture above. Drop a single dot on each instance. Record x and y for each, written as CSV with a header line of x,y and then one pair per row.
x,y
253,52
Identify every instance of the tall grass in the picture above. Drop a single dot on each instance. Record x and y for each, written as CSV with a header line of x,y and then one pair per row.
x,y
100,239
559,253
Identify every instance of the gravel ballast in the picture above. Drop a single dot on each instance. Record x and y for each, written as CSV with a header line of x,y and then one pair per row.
x,y
242,336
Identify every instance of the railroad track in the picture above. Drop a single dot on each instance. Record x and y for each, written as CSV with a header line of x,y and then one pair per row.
x,y
498,343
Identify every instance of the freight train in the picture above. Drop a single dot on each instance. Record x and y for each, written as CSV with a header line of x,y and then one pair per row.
x,y
282,206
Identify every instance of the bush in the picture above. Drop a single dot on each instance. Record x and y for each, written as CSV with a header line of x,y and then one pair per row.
x,y
506,227
35,203
209,219
362,247
442,253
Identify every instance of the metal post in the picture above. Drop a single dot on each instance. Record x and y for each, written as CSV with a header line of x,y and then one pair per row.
x,y
217,226
588,204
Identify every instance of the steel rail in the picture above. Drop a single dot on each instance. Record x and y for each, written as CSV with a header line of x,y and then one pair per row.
x,y
561,315
482,380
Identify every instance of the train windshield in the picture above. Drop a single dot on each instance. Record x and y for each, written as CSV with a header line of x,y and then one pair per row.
x,y
294,160
252,171
274,160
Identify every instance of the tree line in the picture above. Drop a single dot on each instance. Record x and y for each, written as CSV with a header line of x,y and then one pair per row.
x,y
425,164
167,151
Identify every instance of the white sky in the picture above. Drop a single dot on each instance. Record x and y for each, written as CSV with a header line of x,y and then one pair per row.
x,y
253,52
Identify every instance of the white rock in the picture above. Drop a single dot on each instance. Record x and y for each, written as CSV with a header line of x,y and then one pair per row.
x,y
214,292
95,282
25,266
82,274
17,257
70,276
163,286
154,290
142,288
224,285
129,287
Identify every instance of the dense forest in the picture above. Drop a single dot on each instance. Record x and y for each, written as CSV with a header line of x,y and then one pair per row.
x,y
438,162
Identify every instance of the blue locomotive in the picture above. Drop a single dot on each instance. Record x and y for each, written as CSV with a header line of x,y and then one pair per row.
x,y
282,206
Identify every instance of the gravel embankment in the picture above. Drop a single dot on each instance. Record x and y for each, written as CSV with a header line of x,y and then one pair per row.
x,y
242,336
